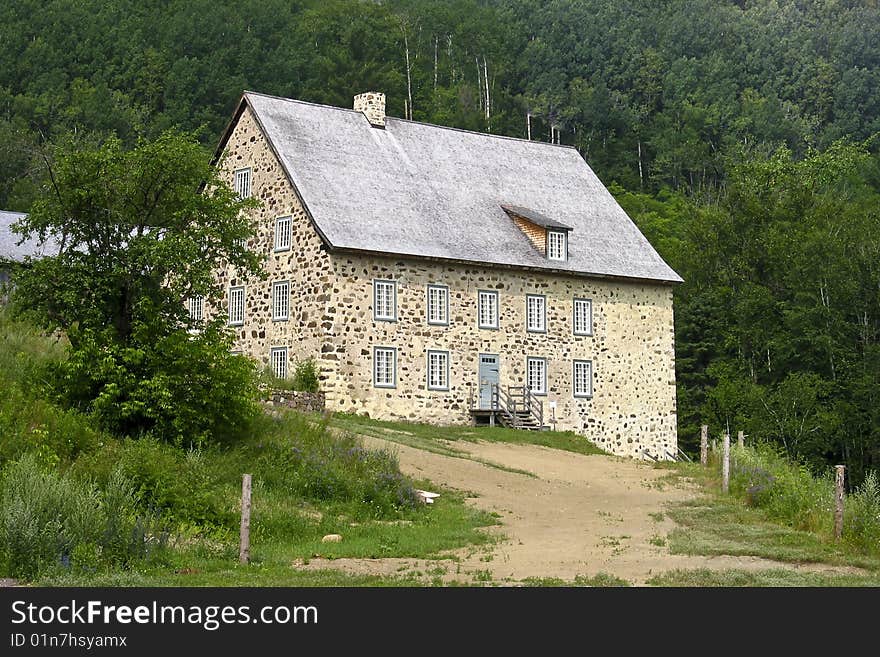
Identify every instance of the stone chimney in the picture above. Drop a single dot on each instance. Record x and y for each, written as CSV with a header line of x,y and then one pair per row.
x,y
372,104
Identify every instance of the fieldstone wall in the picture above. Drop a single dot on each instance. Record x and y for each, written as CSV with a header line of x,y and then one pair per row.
x,y
305,402
632,348
633,405
305,265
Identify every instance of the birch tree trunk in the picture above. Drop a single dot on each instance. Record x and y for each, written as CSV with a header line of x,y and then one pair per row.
x,y
486,80
408,74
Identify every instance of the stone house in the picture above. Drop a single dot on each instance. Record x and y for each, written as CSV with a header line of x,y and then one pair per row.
x,y
445,276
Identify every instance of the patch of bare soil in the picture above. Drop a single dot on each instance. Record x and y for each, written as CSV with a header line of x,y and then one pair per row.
x,y
581,515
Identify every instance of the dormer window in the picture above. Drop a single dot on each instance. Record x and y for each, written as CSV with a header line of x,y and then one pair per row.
x,y
547,235
557,245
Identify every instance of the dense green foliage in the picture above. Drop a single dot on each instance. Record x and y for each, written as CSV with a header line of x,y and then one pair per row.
x,y
137,238
778,326
716,124
652,93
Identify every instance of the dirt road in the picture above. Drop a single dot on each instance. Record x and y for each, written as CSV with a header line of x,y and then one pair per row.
x,y
580,515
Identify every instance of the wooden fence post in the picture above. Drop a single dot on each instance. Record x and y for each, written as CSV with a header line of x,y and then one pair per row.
x,y
704,444
741,439
244,552
838,501
725,464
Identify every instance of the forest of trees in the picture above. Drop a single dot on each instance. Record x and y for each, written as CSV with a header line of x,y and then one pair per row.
x,y
739,134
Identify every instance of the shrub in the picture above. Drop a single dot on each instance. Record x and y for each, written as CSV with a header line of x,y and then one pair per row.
x,y
305,376
184,388
50,521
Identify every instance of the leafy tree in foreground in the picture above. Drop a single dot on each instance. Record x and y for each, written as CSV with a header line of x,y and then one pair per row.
x,y
139,232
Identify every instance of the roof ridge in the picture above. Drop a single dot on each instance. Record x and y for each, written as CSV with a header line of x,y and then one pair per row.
x,y
484,134
302,102
424,123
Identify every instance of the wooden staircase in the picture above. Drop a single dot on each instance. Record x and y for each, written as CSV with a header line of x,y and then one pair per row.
x,y
516,408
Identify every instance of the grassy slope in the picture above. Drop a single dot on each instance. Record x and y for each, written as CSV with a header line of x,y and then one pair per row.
x,y
717,524
197,492
442,439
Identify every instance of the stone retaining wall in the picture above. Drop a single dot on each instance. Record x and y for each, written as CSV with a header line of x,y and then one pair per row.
x,y
304,402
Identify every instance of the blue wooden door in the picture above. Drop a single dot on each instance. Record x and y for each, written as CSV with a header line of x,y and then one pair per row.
x,y
488,378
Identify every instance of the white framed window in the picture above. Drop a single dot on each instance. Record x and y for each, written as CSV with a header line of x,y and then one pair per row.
x,y
438,370
236,306
280,301
278,360
582,317
582,378
385,301
536,375
283,230
536,313
241,183
557,245
195,306
438,305
487,309
384,367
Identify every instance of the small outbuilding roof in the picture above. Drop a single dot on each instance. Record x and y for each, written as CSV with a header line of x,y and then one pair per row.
x,y
414,189
10,249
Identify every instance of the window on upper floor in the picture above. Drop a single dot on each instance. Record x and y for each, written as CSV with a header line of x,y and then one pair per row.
x,y
557,245
384,367
487,309
582,317
536,375
582,378
278,358
236,306
438,370
282,233
280,301
241,183
438,305
385,301
536,313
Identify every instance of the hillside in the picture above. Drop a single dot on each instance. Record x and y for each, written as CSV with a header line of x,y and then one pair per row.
x,y
740,135
653,94
78,504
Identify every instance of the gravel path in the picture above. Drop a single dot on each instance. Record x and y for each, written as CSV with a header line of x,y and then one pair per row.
x,y
581,515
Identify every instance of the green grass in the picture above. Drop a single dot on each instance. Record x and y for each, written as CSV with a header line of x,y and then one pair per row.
x,y
727,527
717,524
597,580
777,577
308,481
199,573
438,438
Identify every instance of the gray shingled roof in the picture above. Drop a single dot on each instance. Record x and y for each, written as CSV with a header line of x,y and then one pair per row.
x,y
10,249
428,191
